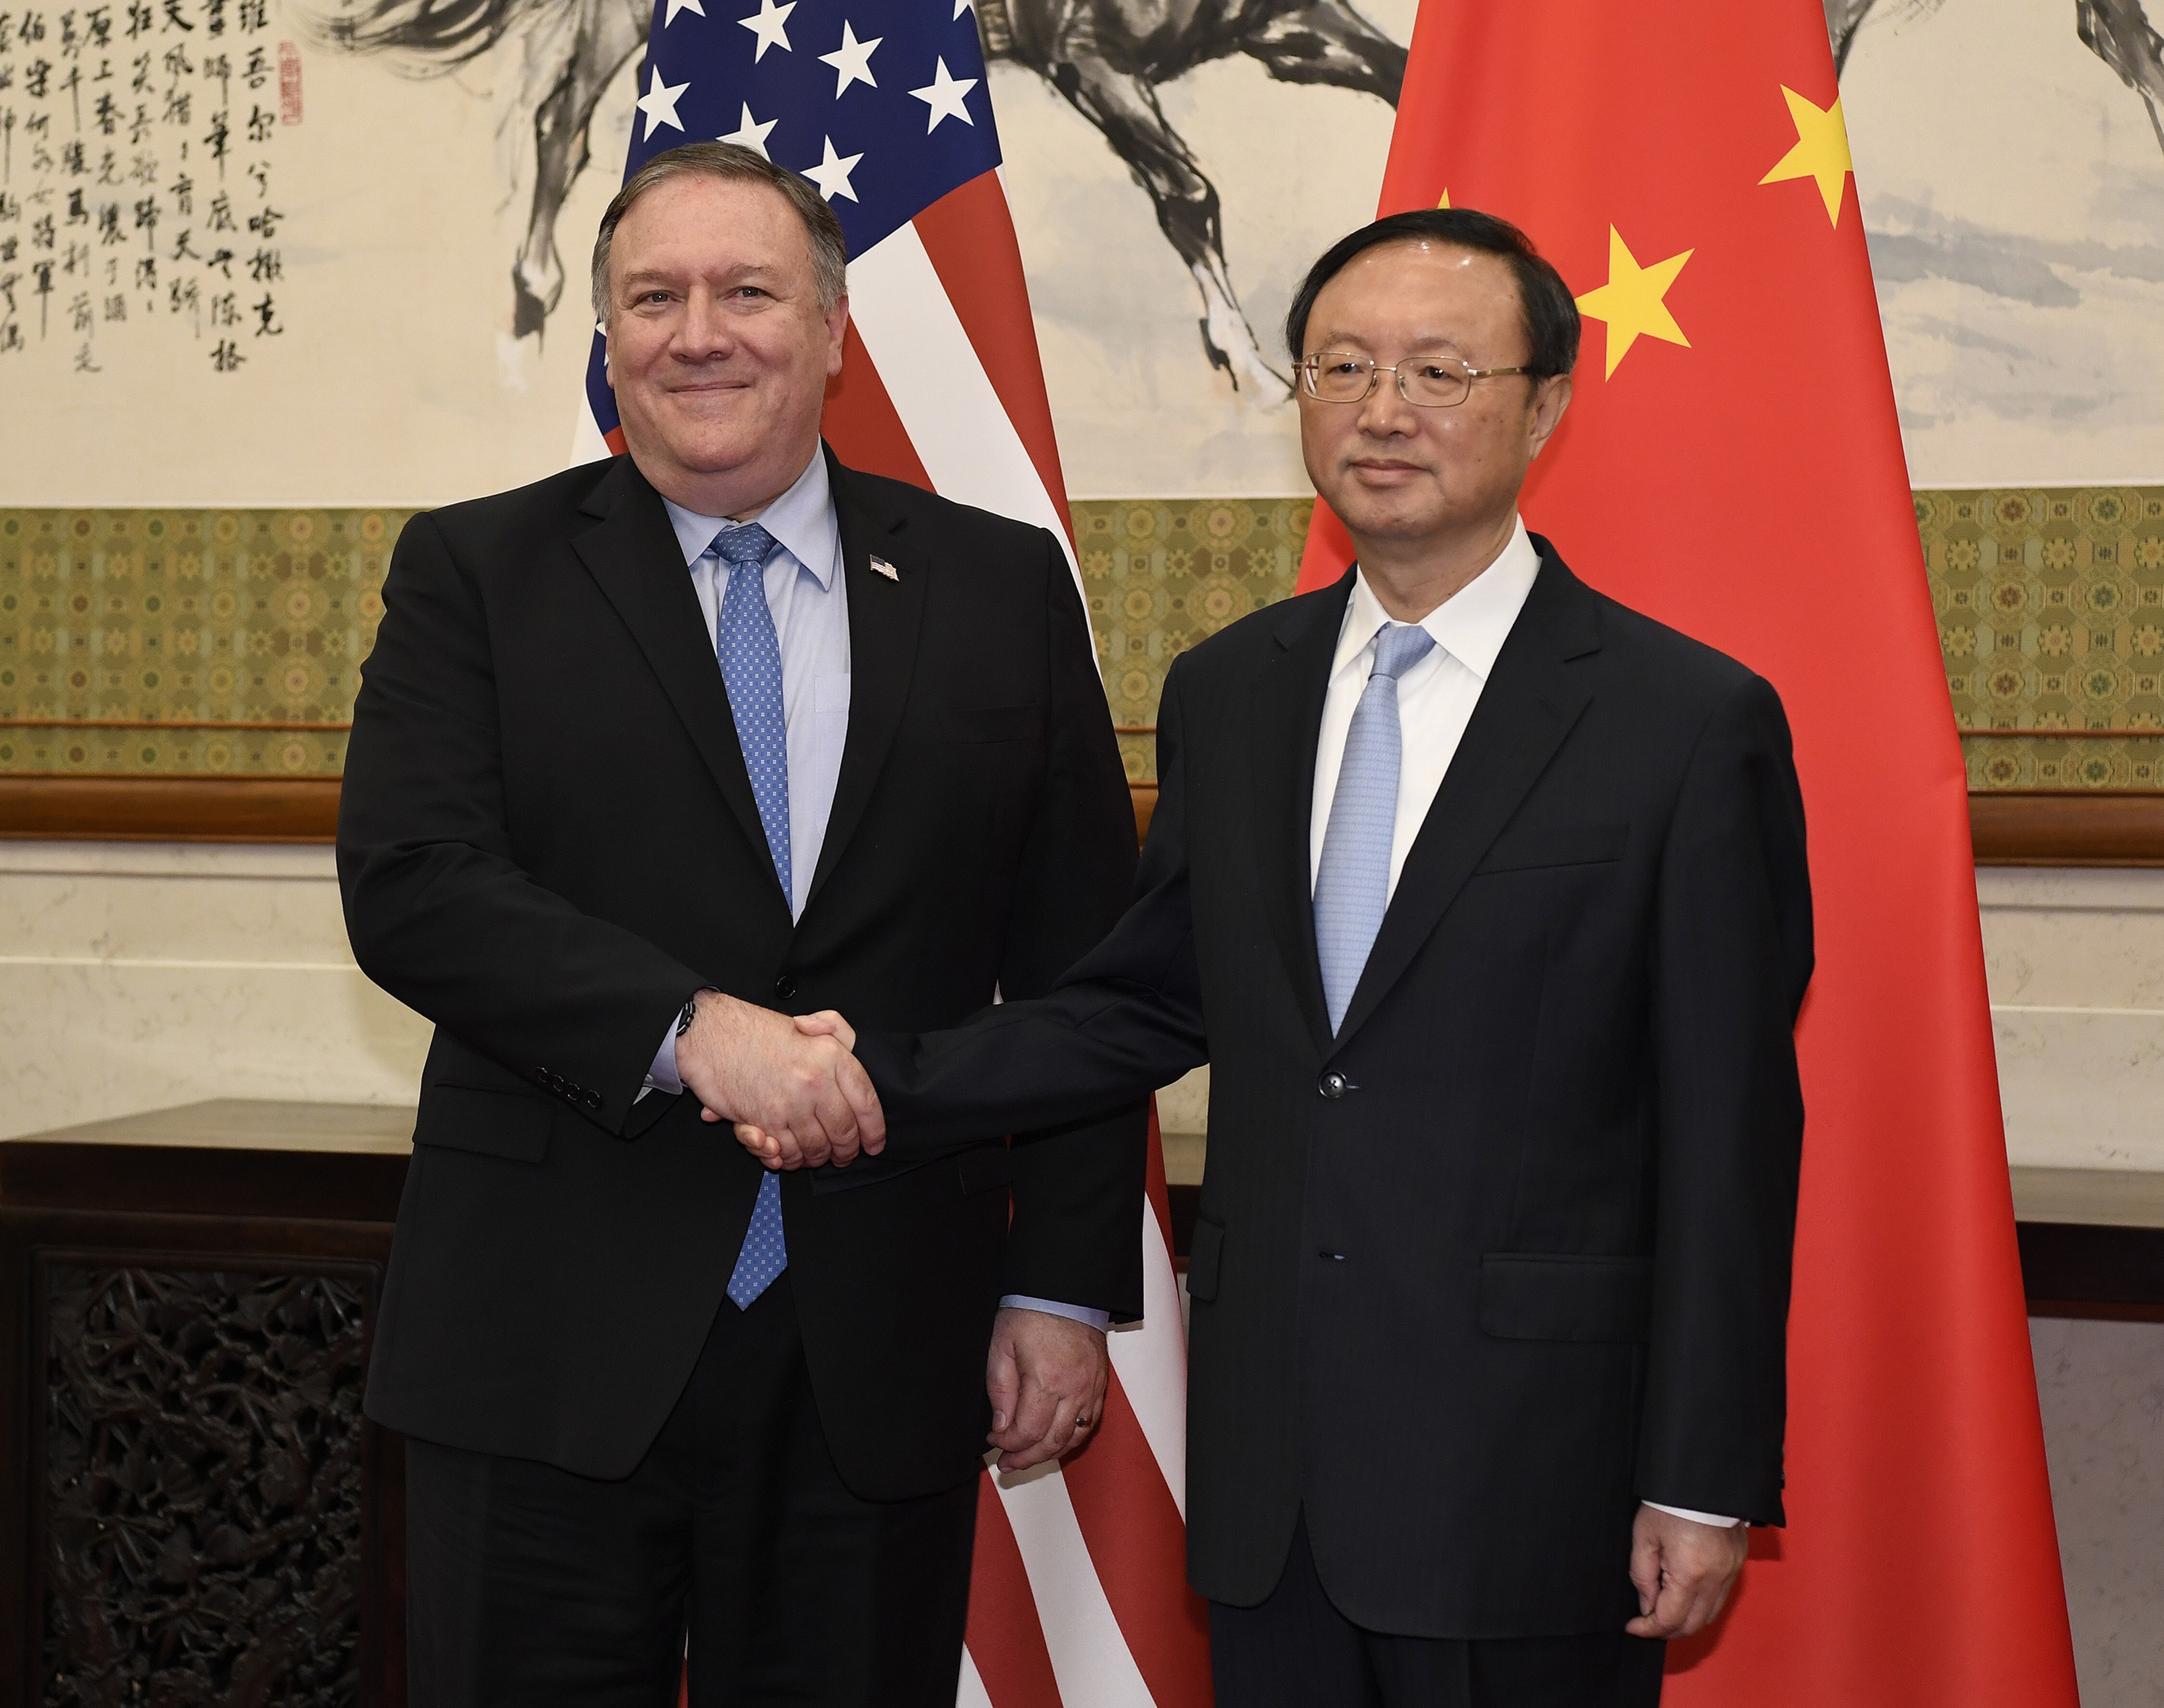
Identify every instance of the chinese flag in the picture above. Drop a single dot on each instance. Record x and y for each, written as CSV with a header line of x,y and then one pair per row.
x,y
1732,465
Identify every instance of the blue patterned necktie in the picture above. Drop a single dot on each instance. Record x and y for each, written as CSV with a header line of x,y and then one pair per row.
x,y
750,654
1352,881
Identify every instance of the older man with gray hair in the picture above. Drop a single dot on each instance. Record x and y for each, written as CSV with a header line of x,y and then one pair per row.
x,y
644,751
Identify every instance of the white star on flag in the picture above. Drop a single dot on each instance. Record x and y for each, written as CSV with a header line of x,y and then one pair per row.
x,y
767,24
677,6
658,103
962,6
852,61
831,175
943,96
750,133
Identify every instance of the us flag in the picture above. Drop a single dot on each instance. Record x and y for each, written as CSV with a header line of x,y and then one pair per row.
x,y
1079,1597
884,107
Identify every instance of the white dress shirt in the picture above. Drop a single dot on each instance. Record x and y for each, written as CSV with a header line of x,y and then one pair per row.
x,y
1435,699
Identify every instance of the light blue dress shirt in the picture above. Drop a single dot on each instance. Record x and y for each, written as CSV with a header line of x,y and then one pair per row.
x,y
809,596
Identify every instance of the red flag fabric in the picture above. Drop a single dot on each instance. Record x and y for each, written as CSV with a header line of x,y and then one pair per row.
x,y
1732,465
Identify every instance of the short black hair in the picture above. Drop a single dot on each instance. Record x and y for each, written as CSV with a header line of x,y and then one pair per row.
x,y
1551,316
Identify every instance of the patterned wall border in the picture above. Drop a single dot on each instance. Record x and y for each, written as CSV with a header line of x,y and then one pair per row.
x,y
185,642
2051,609
206,643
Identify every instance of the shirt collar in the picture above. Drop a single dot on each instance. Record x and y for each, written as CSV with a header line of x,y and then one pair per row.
x,y
1471,625
802,519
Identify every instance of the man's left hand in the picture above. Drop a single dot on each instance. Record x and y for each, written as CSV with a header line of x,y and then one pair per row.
x,y
1683,1571
1045,1375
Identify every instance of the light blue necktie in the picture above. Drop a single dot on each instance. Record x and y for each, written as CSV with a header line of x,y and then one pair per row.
x,y
1352,882
750,654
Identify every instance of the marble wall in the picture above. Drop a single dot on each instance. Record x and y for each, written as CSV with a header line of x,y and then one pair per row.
x,y
138,976
2074,960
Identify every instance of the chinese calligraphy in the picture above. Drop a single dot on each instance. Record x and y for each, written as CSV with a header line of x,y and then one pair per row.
x,y
138,144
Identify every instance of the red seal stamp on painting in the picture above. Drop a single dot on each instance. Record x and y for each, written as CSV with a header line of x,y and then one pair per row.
x,y
289,83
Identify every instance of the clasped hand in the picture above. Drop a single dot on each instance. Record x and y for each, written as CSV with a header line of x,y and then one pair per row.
x,y
797,1095
1045,1375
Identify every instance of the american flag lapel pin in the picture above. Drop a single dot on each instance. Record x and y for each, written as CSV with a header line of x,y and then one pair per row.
x,y
880,566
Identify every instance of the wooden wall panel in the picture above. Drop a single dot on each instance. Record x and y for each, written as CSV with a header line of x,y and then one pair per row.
x,y
2054,827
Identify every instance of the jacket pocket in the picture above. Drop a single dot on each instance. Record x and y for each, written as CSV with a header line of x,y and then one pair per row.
x,y
1556,845
498,1123
1536,1296
1205,1254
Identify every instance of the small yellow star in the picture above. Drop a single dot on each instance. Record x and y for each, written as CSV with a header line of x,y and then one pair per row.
x,y
1445,201
1821,150
1630,301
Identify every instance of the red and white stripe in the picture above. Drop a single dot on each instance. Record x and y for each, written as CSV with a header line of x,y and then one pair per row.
x,y
1079,1597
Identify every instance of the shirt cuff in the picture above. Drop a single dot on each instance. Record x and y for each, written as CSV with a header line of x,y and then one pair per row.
x,y
1099,1319
662,1076
1712,1518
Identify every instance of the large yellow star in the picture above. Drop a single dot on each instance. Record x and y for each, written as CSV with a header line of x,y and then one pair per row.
x,y
1630,301
1821,150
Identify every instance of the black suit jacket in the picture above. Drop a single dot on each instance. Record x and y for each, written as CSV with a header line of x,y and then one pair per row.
x,y
548,840
1509,1254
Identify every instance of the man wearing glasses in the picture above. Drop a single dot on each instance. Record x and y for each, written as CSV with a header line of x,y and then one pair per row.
x,y
1486,899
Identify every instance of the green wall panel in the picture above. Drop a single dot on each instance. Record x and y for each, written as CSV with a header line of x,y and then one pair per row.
x,y
226,642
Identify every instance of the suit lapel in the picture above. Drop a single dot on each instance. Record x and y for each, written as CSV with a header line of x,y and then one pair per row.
x,y
633,552
1532,699
1287,721
885,619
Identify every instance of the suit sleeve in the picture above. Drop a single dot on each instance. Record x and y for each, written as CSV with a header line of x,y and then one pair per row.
x,y
1732,959
440,912
1078,1186
1124,1020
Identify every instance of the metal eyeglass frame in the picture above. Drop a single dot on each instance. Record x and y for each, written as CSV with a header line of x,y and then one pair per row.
x,y
1376,370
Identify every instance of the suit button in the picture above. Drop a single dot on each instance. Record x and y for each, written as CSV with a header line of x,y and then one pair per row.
x,y
593,1100
785,987
1333,1086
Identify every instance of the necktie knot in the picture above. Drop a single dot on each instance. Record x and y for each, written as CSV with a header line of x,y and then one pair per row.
x,y
743,543
1399,646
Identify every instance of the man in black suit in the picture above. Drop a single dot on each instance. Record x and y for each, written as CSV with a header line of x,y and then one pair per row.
x,y
1485,899
649,1389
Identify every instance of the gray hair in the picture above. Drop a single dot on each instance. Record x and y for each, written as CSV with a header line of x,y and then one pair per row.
x,y
733,164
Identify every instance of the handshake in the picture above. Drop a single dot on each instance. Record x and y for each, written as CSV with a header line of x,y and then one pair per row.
x,y
798,1098
796,1095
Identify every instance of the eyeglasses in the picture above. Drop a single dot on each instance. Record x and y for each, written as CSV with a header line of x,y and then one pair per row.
x,y
1426,382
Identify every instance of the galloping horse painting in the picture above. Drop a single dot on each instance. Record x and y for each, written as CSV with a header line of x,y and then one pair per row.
x,y
1107,57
